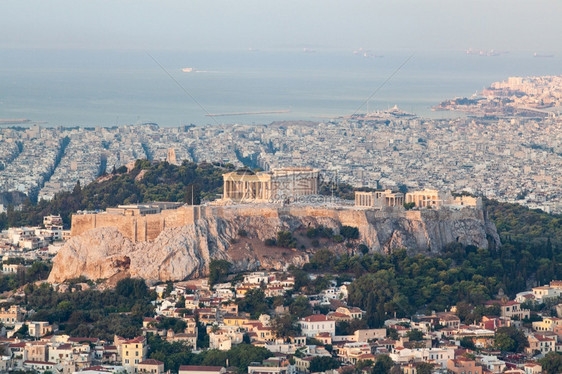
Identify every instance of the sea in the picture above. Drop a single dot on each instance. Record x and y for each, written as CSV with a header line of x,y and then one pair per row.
x,y
111,87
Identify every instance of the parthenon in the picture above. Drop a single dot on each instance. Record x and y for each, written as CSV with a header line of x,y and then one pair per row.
x,y
270,186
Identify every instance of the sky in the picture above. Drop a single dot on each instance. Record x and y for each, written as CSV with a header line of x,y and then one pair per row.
x,y
503,25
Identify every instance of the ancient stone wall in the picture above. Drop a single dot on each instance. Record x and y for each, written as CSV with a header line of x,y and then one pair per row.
x,y
136,228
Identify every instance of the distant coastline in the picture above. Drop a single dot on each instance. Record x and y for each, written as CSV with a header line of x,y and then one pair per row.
x,y
127,88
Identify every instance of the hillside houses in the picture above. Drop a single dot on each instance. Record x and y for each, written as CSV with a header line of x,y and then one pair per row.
x,y
202,316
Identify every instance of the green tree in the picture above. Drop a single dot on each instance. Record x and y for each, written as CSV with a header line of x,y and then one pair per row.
x,y
323,363
415,335
132,287
424,368
363,364
468,343
301,279
349,232
285,326
285,239
218,271
392,333
22,332
254,302
383,365
362,248
242,355
300,307
409,206
510,339
551,363
348,328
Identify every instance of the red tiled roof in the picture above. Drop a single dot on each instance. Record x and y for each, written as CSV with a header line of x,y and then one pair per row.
x,y
199,368
138,339
83,339
151,361
39,362
510,303
95,368
338,314
541,338
316,318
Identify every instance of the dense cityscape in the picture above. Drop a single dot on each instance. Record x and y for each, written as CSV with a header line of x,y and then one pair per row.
x,y
299,187
512,160
515,97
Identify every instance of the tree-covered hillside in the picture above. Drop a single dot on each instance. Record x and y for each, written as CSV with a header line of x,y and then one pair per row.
x,y
516,223
159,181
465,276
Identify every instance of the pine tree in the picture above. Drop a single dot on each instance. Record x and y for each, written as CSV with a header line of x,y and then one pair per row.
x,y
370,308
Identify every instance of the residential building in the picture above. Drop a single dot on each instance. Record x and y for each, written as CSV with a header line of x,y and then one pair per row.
x,y
150,366
463,366
194,369
133,351
12,315
547,324
317,323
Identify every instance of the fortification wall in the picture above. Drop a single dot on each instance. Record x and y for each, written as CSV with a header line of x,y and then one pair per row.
x,y
136,228
84,222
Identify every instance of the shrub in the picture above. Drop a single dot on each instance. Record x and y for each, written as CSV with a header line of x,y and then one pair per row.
x,y
349,232
285,239
409,206
363,249
337,238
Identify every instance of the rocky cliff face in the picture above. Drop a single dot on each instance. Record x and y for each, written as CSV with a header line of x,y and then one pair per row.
x,y
185,252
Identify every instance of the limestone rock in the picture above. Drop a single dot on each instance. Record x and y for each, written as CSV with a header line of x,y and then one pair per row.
x,y
185,252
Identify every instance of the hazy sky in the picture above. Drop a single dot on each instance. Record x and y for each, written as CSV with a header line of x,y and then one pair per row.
x,y
529,25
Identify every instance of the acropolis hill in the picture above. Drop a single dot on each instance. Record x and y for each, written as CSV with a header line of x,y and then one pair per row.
x,y
165,241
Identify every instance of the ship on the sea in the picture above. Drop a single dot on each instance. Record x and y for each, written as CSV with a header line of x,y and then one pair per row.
x,y
14,121
542,55
188,70
483,52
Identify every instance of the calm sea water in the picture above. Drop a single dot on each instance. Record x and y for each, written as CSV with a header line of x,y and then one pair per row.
x,y
104,88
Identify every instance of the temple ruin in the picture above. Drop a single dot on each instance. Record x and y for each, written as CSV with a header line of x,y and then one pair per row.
x,y
270,186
